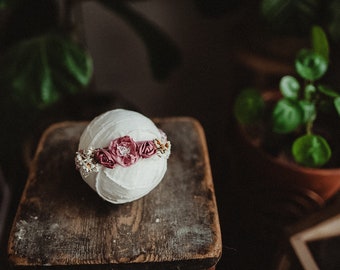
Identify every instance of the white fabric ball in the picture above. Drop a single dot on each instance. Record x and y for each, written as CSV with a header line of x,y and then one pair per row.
x,y
123,184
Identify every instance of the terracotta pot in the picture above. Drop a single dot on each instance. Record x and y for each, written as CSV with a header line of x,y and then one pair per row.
x,y
280,172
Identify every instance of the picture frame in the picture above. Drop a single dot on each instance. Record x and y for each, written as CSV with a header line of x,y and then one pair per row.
x,y
316,239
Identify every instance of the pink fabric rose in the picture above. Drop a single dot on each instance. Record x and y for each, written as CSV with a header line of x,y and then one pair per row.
x,y
124,151
105,158
146,149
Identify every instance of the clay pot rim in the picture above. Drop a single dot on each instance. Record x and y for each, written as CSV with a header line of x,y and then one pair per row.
x,y
287,165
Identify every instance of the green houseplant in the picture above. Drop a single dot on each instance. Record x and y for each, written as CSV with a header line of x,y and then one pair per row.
x,y
298,123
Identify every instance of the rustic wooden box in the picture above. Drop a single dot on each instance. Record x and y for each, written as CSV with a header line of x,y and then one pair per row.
x,y
61,223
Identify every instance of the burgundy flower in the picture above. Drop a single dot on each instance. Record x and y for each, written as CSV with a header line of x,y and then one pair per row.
x,y
146,149
105,158
124,151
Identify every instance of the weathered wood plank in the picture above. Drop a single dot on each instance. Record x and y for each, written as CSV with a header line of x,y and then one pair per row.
x,y
62,222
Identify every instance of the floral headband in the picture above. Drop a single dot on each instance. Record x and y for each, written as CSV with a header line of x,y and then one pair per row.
x,y
123,151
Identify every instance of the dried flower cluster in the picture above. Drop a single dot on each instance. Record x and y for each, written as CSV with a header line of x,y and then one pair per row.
x,y
123,151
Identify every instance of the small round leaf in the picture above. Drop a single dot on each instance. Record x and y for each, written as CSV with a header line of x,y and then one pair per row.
x,y
289,87
311,151
248,106
310,65
309,110
310,90
287,116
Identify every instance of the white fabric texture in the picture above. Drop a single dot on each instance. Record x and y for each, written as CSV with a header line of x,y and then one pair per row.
x,y
123,184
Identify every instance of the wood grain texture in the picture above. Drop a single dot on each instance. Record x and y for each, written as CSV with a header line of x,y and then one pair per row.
x,y
62,222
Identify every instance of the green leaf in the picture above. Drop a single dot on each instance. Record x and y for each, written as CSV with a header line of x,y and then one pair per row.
x,y
311,150
310,90
309,110
310,65
39,71
320,42
337,104
326,90
289,87
248,106
287,116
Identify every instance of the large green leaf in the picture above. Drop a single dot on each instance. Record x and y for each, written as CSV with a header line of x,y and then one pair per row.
x,y
311,150
248,106
37,72
287,116
310,65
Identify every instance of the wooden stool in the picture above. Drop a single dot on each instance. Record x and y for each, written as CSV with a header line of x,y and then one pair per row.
x,y
62,223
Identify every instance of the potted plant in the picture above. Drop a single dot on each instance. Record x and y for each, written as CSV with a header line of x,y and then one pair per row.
x,y
295,129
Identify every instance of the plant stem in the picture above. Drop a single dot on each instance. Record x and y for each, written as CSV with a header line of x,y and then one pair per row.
x,y
309,127
309,97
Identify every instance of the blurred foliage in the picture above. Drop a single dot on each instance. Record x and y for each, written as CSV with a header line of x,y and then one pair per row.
x,y
42,62
39,71
298,16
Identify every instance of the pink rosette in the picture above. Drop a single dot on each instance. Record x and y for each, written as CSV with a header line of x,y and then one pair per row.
x,y
146,149
105,158
124,151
